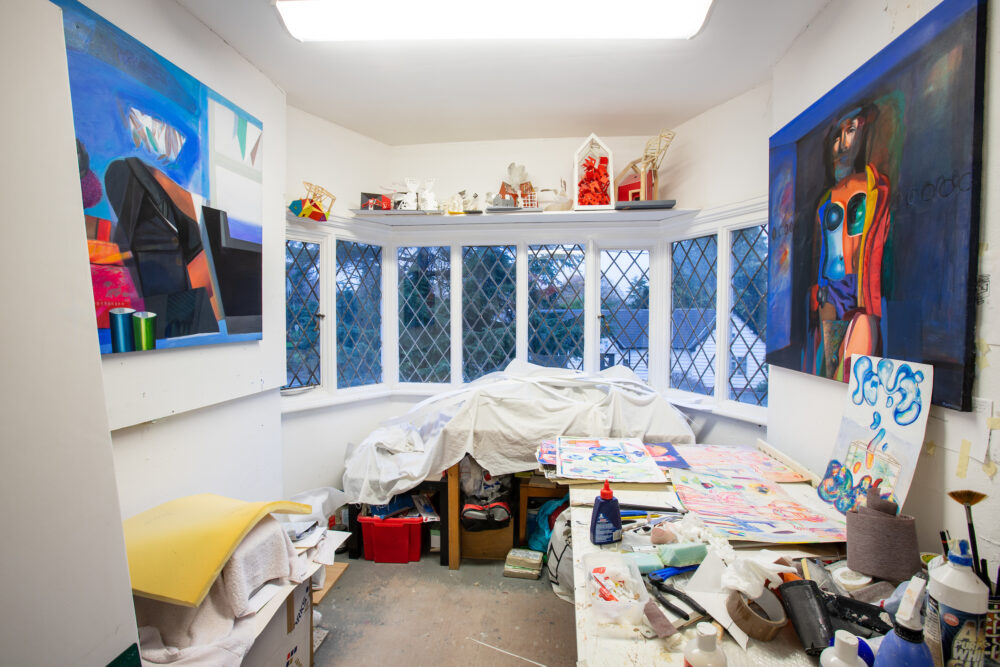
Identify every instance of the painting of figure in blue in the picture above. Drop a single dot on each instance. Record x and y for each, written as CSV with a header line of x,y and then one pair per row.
x,y
874,211
171,177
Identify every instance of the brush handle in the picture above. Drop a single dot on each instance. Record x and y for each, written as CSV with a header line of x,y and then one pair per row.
x,y
984,575
972,541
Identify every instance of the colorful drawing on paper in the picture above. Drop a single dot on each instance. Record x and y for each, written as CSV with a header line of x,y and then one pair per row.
x,y
666,455
881,432
753,509
616,460
663,453
875,211
171,175
737,462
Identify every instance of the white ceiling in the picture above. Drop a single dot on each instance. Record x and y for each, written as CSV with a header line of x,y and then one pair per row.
x,y
430,92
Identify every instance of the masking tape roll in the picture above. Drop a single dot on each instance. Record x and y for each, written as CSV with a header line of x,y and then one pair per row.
x,y
850,580
757,625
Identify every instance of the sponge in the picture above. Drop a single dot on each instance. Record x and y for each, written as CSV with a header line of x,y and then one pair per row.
x,y
682,553
646,561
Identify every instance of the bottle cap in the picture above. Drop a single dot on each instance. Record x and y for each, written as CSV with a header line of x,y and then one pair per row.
x,y
908,614
962,557
606,491
845,646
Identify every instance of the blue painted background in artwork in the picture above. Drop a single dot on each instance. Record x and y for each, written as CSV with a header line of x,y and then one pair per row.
x,y
110,73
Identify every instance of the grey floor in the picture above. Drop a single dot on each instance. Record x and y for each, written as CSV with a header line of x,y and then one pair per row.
x,y
424,614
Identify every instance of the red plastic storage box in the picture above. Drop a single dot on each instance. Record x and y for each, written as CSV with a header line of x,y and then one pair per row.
x,y
391,540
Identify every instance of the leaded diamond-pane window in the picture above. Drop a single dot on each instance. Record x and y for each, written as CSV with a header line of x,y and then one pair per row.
x,y
302,315
625,310
692,317
748,316
489,309
359,314
424,314
555,305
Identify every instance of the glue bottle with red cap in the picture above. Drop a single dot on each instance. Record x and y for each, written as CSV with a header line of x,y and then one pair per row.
x,y
606,521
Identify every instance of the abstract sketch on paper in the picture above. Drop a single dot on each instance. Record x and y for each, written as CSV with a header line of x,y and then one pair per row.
x,y
663,453
881,432
171,175
753,509
616,460
737,462
875,210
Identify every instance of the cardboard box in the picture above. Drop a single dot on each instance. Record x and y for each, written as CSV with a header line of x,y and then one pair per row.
x,y
287,637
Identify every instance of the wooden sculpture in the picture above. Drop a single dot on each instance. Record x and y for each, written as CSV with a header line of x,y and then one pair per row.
x,y
645,168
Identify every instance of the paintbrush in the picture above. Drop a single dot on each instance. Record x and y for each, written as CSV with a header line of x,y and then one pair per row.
x,y
944,544
969,498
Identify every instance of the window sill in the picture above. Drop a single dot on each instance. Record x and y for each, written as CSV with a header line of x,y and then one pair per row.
x,y
751,414
323,398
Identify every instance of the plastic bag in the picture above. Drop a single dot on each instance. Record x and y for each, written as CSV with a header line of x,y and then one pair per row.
x,y
615,592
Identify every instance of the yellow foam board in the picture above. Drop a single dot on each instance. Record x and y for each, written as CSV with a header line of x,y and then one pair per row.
x,y
177,549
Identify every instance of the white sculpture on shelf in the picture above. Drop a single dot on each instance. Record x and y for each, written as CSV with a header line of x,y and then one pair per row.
x,y
409,199
428,202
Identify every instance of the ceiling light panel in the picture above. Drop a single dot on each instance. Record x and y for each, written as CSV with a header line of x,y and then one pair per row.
x,y
424,20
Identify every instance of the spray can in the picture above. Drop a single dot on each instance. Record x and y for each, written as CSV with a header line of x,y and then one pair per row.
x,y
905,644
956,612
606,520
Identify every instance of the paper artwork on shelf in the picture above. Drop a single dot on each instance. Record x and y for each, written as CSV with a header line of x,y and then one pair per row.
x,y
737,462
881,432
753,510
616,460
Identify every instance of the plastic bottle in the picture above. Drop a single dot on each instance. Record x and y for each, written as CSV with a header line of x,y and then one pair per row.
x,y
704,650
956,612
606,521
905,644
843,653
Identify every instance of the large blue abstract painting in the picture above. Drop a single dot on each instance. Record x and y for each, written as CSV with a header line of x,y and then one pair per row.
x,y
171,177
874,211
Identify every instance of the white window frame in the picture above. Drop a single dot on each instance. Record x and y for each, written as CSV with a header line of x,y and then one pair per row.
x,y
595,232
721,222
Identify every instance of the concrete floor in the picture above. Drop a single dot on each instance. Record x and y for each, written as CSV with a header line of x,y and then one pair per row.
x,y
424,614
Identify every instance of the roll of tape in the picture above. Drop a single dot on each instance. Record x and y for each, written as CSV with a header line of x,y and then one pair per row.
x,y
850,580
756,625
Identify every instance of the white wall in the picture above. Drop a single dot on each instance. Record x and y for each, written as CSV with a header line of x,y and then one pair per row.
x,y
720,156
231,443
231,449
801,420
344,162
316,441
65,579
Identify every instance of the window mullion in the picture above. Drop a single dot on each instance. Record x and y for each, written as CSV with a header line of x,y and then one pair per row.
x,y
659,315
457,339
390,319
521,325
328,306
724,276
591,307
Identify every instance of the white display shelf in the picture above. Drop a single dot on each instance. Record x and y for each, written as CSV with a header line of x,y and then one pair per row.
x,y
526,217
